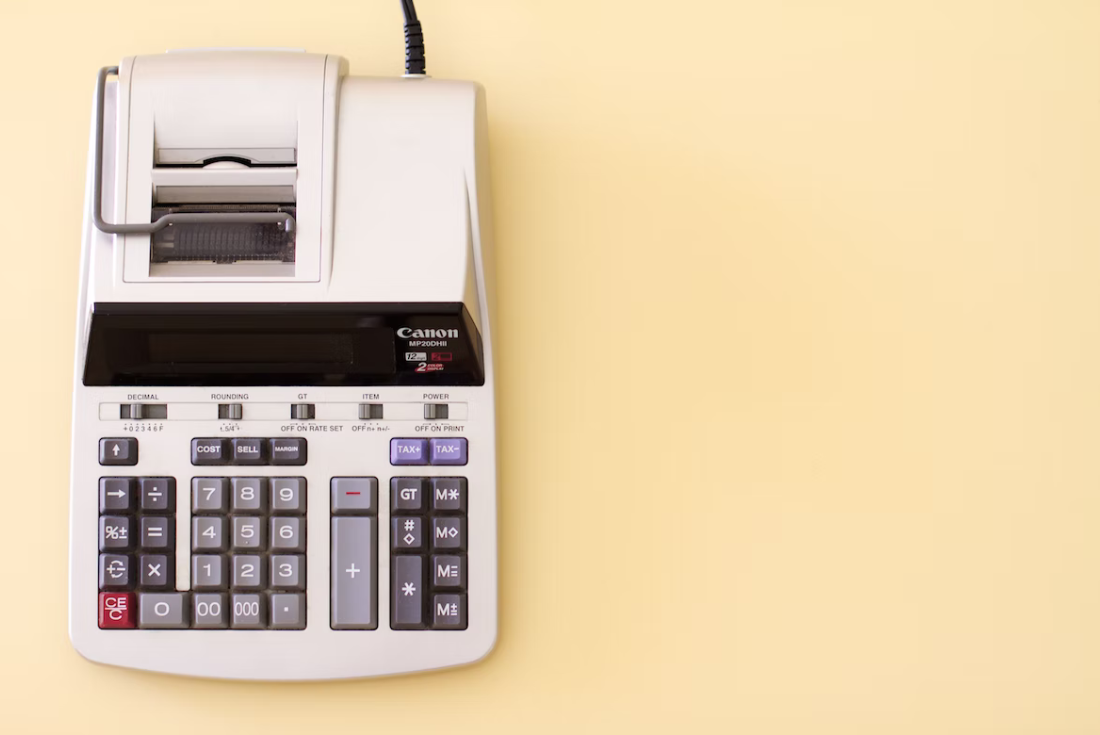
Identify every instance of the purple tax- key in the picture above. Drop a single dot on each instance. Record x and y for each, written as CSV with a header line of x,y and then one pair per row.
x,y
451,452
448,451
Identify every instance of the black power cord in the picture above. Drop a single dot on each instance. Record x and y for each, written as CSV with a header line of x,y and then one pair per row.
x,y
414,40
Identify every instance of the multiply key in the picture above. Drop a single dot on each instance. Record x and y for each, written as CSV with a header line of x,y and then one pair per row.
x,y
157,571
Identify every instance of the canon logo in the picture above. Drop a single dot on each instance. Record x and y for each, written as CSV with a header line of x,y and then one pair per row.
x,y
406,333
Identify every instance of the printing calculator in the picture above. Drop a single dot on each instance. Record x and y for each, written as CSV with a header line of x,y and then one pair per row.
x,y
284,446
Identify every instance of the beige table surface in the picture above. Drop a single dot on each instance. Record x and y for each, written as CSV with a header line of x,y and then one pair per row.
x,y
799,339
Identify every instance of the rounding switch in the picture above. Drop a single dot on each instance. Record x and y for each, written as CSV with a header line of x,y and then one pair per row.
x,y
302,411
232,411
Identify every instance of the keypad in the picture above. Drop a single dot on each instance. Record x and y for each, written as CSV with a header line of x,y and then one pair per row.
x,y
247,563
137,544
248,544
428,575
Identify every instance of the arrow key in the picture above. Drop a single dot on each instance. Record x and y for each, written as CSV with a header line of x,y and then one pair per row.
x,y
120,452
116,495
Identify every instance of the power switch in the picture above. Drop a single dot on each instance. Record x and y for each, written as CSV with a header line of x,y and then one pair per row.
x,y
231,411
436,411
140,411
302,411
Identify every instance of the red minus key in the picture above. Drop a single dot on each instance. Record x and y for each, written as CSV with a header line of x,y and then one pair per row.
x,y
116,610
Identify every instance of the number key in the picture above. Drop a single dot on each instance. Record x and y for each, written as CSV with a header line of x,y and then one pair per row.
x,y
287,572
249,494
248,533
288,495
287,534
208,534
248,572
248,611
208,572
210,611
209,495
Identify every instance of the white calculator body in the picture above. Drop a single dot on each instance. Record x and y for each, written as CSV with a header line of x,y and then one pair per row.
x,y
284,447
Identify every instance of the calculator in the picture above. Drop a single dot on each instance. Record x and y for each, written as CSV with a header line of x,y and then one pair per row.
x,y
284,435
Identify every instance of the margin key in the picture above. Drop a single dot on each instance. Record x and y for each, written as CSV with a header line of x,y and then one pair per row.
x,y
354,573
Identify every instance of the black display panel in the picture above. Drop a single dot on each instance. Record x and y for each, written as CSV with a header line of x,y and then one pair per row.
x,y
283,344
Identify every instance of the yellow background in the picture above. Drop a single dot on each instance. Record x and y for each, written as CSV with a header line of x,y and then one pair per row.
x,y
799,340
